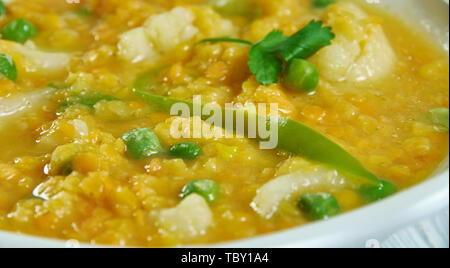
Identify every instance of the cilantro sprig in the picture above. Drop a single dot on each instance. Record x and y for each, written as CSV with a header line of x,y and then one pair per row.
x,y
266,56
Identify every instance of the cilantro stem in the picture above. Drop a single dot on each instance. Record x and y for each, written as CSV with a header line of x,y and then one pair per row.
x,y
227,40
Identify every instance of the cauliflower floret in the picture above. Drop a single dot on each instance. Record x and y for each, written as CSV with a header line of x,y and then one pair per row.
x,y
361,51
189,219
162,33
169,29
211,24
33,61
159,35
135,46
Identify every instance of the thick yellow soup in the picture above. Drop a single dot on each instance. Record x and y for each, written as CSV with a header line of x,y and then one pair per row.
x,y
90,149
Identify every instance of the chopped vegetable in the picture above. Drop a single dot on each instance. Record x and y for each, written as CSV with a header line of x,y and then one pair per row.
x,y
208,189
319,206
85,98
19,30
185,150
61,160
293,136
439,117
323,3
8,67
2,8
191,218
244,8
301,75
142,143
372,193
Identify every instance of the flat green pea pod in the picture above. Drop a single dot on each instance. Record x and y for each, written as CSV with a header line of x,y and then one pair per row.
x,y
142,143
319,206
19,30
8,67
301,75
438,117
244,8
208,189
294,137
372,193
185,150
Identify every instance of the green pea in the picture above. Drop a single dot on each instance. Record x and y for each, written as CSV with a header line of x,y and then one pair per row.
x,y
439,117
2,8
142,143
375,192
208,189
323,3
185,150
301,75
319,206
8,67
19,30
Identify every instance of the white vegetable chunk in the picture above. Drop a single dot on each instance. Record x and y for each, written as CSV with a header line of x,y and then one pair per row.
x,y
273,193
134,46
191,218
169,29
361,51
34,61
159,35
15,106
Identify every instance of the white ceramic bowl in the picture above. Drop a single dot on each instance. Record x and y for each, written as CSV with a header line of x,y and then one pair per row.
x,y
371,223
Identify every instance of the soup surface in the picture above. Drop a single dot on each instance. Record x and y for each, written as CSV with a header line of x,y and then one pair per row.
x,y
84,157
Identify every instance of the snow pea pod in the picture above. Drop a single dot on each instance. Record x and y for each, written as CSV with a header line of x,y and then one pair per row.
x,y
293,137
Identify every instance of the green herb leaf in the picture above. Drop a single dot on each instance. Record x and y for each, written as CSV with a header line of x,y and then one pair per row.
x,y
8,67
306,42
265,64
